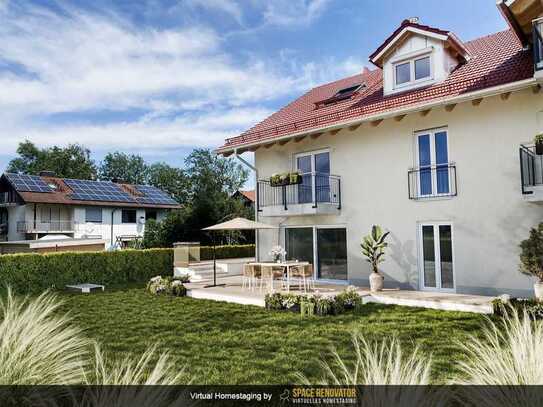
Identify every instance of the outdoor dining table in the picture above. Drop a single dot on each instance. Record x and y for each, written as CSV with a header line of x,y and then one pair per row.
x,y
287,265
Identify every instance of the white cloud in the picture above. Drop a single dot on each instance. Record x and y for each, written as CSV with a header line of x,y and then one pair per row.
x,y
193,93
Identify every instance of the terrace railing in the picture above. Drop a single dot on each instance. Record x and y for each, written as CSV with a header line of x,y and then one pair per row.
x,y
538,44
432,181
46,227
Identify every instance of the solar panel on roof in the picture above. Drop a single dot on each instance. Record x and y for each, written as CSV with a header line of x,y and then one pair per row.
x,y
28,183
98,191
153,195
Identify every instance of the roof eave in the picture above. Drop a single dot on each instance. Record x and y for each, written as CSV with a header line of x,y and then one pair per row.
x,y
512,22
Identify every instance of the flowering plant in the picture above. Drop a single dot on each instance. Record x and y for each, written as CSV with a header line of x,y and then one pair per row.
x,y
277,252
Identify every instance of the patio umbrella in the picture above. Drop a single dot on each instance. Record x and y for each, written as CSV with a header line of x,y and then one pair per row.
x,y
234,224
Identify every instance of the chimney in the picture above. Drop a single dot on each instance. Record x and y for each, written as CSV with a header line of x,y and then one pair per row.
x,y
47,174
414,20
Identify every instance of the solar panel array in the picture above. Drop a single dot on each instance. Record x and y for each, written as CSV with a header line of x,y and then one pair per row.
x,y
154,195
98,191
28,183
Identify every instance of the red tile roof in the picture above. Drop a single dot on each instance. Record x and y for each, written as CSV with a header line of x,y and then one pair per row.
x,y
250,195
496,59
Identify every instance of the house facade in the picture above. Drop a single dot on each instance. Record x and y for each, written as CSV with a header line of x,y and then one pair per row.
x,y
32,207
435,144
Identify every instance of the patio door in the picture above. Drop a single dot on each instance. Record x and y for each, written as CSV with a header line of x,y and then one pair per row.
x,y
433,162
324,247
436,256
315,170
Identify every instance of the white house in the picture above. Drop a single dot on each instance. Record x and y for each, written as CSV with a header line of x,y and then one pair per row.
x,y
435,144
32,207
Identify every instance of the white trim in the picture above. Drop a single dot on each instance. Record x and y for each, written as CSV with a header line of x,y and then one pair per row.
x,y
412,55
437,256
487,92
413,83
432,132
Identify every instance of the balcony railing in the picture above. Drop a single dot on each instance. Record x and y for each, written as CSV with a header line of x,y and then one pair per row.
x,y
316,189
538,44
531,168
46,227
432,181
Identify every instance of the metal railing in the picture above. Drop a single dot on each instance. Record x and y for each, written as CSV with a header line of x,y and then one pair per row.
x,y
531,168
432,181
315,189
50,226
538,44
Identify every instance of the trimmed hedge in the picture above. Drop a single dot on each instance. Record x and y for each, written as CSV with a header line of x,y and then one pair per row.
x,y
228,252
32,273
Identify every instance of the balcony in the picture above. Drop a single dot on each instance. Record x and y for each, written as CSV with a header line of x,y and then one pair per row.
x,y
432,181
61,226
538,47
531,173
318,194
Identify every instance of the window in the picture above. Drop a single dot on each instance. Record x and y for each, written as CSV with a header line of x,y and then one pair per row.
x,y
436,257
129,216
315,170
422,68
412,71
93,215
433,162
151,215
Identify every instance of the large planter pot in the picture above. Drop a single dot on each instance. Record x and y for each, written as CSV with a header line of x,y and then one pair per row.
x,y
538,290
376,282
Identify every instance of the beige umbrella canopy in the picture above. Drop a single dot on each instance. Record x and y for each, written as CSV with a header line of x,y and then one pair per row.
x,y
240,224
234,224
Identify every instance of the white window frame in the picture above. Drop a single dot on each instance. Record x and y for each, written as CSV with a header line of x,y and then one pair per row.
x,y
437,256
416,164
312,153
413,82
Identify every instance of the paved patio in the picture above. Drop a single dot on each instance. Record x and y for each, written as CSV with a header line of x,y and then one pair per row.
x,y
233,292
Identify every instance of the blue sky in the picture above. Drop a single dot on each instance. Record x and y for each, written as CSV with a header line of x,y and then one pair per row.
x,y
160,77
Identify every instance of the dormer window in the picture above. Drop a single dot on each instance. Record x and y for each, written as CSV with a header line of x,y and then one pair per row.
x,y
413,71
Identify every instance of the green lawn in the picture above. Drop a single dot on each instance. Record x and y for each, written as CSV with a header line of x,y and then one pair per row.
x,y
221,343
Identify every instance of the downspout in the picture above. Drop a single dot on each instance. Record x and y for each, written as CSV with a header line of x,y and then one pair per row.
x,y
111,244
255,170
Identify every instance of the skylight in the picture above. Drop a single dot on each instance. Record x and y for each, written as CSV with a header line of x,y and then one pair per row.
x,y
341,94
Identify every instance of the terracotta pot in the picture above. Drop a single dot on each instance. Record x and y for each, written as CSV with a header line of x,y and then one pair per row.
x,y
538,290
376,282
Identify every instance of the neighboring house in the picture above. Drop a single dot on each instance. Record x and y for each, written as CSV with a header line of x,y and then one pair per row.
x,y
32,207
248,197
435,145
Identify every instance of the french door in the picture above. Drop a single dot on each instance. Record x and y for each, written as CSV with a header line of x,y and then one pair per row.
x,y
436,256
433,162
315,170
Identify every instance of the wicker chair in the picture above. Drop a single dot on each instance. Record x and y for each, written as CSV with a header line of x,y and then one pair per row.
x,y
304,275
269,274
249,276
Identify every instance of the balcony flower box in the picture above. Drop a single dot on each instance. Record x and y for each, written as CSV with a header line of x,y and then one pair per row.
x,y
289,178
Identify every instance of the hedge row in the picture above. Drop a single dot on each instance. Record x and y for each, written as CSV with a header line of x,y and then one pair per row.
x,y
228,252
32,273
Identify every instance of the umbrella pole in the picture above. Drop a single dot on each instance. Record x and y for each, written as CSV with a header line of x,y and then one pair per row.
x,y
214,266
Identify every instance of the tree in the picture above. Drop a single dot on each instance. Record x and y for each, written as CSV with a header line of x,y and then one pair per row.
x,y
169,179
129,168
72,161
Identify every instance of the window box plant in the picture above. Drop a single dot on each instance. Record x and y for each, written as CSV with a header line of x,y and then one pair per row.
x,y
289,178
538,140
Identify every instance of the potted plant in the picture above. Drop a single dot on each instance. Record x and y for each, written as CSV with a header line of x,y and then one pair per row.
x,y
538,140
277,253
373,247
288,178
531,259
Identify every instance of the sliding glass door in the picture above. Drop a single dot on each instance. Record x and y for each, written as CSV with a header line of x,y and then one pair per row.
x,y
436,256
324,247
332,254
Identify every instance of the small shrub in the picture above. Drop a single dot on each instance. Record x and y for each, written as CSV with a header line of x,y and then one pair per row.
x,y
325,306
166,285
532,306
307,307
348,299
274,301
291,302
531,253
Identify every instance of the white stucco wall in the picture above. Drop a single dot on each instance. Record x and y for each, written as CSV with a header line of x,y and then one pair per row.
x,y
489,215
